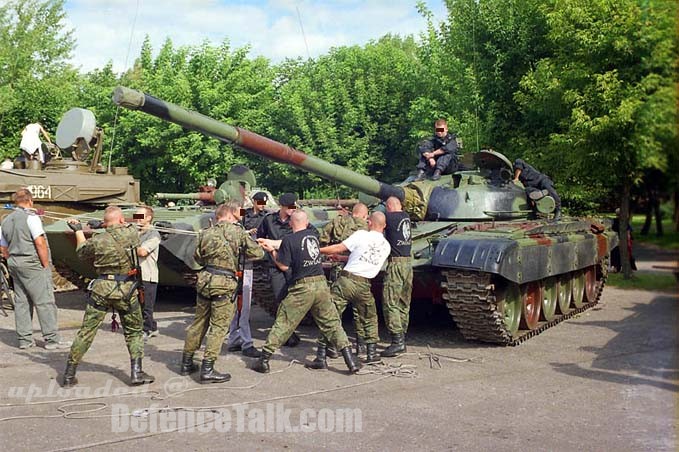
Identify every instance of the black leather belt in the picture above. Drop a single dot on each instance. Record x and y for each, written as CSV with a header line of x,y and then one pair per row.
x,y
349,275
220,271
118,278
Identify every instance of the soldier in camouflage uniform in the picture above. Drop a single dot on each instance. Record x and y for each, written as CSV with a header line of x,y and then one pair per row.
x,y
217,250
300,252
398,281
369,250
336,231
111,253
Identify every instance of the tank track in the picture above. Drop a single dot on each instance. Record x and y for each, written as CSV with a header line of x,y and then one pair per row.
x,y
65,280
471,301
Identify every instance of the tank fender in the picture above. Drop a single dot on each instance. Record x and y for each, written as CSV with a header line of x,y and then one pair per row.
x,y
518,261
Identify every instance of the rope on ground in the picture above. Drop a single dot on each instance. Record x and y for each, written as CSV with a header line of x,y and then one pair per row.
x,y
435,358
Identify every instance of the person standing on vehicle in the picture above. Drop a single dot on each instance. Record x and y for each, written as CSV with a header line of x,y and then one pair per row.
x,y
24,245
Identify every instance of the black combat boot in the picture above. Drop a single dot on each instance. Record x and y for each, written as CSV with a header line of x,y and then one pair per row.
x,y
360,346
208,374
398,346
138,376
420,175
293,340
69,376
319,362
371,354
557,214
188,366
331,352
350,360
262,365
437,175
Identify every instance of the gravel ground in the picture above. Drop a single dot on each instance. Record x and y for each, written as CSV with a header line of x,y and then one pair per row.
x,y
605,380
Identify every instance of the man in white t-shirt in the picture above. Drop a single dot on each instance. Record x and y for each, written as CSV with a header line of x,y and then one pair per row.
x,y
369,250
30,141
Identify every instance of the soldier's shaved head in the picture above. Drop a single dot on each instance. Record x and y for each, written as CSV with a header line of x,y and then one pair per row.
x,y
359,210
393,204
299,220
22,196
113,215
377,222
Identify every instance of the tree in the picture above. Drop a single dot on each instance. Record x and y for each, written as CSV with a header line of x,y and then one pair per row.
x,y
610,89
36,82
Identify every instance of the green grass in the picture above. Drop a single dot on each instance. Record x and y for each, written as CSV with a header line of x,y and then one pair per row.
x,y
669,240
654,281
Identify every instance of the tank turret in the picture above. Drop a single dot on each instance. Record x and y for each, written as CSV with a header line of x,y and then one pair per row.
x,y
482,194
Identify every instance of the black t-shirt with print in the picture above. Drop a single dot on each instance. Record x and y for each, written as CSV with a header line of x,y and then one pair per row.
x,y
301,252
398,233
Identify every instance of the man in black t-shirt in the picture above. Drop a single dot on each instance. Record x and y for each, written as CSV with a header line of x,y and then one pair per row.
x,y
537,185
398,280
438,154
299,253
275,226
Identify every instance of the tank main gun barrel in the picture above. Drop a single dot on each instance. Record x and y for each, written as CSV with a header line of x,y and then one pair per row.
x,y
206,197
253,143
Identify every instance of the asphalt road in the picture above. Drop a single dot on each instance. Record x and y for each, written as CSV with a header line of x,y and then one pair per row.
x,y
607,379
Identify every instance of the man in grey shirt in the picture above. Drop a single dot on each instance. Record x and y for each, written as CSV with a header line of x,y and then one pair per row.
x,y
24,244
148,259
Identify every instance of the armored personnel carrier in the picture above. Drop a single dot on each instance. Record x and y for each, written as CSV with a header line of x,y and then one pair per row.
x,y
504,273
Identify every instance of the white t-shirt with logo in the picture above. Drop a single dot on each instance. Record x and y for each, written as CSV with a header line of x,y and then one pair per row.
x,y
369,250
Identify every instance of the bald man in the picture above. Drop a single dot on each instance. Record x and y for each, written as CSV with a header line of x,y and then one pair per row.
x,y
308,291
369,250
110,252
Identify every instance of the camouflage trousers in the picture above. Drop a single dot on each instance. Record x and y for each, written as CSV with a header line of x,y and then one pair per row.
x,y
215,315
356,290
396,294
130,317
308,294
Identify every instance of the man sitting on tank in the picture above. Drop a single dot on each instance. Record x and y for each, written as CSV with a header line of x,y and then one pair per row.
x,y
537,185
439,153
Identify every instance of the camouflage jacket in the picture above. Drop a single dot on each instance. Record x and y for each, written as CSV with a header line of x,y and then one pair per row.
x,y
219,246
340,228
109,251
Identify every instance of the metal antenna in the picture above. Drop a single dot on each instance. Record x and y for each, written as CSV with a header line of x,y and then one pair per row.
x,y
127,55
476,96
299,17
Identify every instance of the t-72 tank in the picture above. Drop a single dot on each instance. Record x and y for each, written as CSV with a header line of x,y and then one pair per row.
x,y
478,246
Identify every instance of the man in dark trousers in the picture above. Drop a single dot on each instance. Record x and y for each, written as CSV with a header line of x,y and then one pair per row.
x,y
300,253
537,185
275,226
438,154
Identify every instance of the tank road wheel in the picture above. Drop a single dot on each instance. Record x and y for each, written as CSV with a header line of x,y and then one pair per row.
x,y
509,305
531,305
578,279
564,289
550,287
590,284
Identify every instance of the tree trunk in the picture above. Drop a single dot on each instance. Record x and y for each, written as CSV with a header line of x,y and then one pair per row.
x,y
623,233
676,211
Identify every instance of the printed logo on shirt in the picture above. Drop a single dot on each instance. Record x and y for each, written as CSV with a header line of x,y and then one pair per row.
x,y
310,244
374,255
404,227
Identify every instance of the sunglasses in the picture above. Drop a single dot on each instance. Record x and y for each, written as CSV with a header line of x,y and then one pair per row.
x,y
440,129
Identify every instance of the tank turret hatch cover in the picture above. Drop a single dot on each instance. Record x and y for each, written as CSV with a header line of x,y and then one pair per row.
x,y
242,173
491,160
76,123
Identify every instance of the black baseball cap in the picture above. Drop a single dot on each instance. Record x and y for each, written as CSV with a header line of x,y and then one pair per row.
x,y
287,199
260,196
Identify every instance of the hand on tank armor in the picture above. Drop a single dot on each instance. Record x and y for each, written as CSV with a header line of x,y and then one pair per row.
x,y
75,225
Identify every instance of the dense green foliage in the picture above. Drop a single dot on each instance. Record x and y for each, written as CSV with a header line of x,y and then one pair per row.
x,y
586,91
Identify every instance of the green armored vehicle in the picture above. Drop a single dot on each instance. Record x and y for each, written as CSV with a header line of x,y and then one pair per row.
x,y
73,179
478,245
